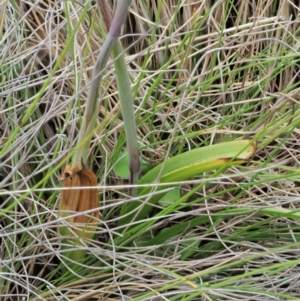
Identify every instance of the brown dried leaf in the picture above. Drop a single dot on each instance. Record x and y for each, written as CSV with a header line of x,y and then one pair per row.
x,y
79,200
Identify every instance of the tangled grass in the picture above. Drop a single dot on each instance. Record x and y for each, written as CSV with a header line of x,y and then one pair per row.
x,y
202,72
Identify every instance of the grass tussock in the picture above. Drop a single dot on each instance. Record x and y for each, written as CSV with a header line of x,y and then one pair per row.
x,y
202,72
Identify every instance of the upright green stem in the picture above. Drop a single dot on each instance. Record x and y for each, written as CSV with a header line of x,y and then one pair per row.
x,y
91,109
126,103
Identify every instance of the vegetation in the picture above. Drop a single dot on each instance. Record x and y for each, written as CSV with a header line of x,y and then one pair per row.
x,y
204,76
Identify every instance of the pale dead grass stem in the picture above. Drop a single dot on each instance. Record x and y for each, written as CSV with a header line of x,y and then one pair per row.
x,y
224,70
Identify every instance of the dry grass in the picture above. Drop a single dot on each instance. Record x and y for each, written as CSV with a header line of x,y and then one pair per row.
x,y
202,72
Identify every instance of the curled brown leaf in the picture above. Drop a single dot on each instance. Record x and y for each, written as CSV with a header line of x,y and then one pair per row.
x,y
81,196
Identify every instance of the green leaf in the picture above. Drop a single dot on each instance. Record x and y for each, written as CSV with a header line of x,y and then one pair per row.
x,y
200,160
121,167
184,167
169,197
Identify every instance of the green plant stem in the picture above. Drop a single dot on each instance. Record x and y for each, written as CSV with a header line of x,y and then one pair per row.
x,y
126,103
123,83
91,111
